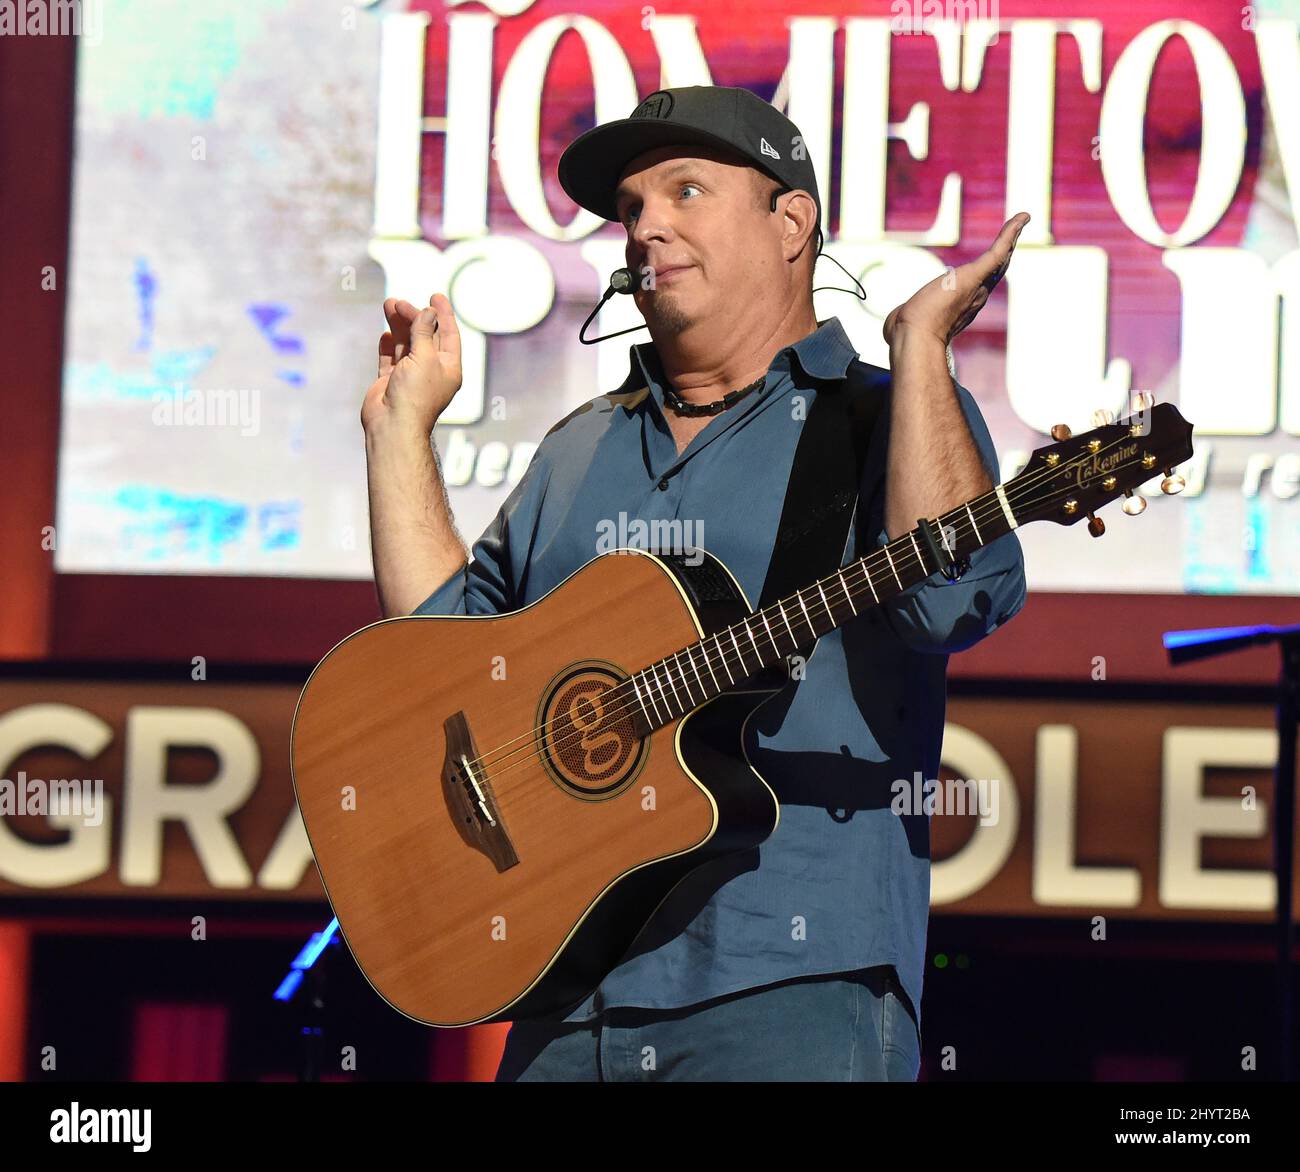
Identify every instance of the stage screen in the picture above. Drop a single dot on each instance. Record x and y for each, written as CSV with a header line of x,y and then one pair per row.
x,y
253,177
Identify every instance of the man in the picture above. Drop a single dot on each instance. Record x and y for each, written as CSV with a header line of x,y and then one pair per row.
x,y
802,959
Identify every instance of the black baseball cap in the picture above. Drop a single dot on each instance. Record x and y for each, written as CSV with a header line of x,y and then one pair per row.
x,y
715,115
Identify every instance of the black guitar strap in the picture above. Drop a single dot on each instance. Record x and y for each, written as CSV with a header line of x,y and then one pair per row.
x,y
823,489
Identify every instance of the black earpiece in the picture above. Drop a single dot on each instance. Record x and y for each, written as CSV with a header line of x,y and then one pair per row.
x,y
780,191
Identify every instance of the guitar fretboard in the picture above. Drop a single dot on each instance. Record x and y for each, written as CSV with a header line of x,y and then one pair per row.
x,y
674,686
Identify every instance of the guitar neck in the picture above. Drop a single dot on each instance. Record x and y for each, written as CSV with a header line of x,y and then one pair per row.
x,y
727,658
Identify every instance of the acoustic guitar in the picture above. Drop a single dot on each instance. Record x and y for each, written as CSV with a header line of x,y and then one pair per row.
x,y
498,804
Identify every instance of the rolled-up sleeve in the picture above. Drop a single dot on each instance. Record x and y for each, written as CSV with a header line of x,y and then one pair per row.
x,y
942,617
492,581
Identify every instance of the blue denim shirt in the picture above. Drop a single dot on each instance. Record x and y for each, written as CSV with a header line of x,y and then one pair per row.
x,y
844,882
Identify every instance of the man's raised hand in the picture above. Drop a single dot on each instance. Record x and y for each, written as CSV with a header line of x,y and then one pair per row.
x,y
948,304
419,366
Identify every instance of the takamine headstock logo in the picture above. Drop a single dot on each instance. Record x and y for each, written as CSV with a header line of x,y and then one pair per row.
x,y
1097,463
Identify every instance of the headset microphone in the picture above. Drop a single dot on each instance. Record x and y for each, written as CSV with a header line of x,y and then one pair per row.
x,y
620,281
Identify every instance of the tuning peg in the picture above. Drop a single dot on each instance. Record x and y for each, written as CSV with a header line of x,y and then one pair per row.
x,y
1172,484
1142,400
1102,416
1133,505
1096,526
1061,431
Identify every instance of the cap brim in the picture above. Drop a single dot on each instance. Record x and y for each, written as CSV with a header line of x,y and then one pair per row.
x,y
591,165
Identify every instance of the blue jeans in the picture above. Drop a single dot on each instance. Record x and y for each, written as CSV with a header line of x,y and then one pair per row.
x,y
846,1027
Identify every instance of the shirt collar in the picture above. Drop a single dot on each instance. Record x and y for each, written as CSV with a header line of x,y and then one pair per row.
x,y
824,354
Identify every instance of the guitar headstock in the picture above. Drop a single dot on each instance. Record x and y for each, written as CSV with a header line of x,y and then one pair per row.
x,y
1077,475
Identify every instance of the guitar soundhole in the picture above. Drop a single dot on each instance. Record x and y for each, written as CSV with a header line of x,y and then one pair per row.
x,y
587,738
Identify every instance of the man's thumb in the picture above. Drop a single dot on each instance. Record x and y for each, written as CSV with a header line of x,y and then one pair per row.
x,y
424,334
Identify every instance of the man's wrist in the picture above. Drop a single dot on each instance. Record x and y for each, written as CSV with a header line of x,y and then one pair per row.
x,y
919,354
908,336
389,434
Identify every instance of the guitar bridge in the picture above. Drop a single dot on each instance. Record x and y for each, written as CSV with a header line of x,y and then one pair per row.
x,y
469,796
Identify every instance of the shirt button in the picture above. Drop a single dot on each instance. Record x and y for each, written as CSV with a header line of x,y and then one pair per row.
x,y
663,484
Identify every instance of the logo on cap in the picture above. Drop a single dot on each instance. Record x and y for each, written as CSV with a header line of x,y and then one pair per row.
x,y
765,148
657,105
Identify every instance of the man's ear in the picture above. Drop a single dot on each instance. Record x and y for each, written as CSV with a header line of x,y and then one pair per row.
x,y
800,227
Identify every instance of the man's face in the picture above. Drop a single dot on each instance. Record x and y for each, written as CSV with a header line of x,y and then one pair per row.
x,y
693,214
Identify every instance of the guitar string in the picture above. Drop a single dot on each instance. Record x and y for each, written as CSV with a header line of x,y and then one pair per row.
x,y
620,691
876,560
907,561
725,655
